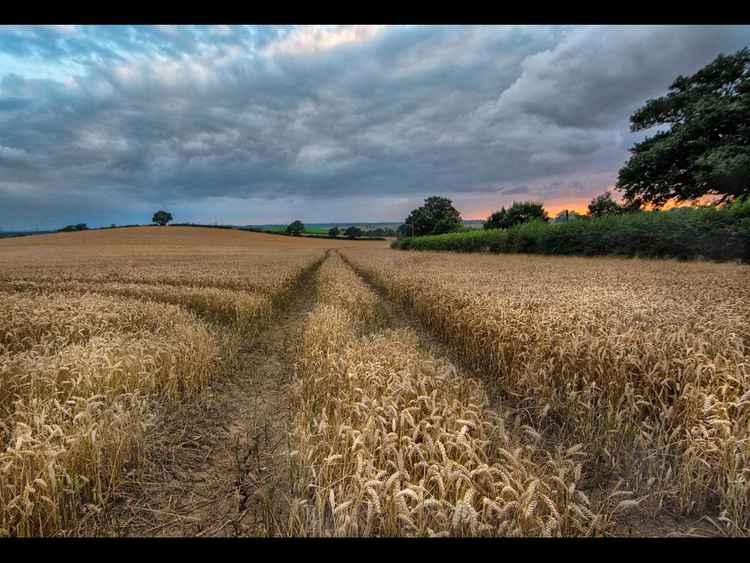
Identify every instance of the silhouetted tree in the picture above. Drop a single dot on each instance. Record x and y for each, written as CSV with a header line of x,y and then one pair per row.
x,y
566,215
405,230
519,212
603,204
706,150
77,227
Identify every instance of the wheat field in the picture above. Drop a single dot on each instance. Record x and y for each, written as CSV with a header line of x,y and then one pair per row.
x,y
645,363
433,394
94,329
392,441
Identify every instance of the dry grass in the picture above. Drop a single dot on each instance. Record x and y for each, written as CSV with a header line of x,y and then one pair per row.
x,y
392,442
646,363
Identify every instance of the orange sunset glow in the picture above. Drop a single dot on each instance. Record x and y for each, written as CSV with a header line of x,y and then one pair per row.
x,y
553,208
580,204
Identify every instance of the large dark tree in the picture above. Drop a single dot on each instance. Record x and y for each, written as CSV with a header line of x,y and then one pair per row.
x,y
436,216
161,217
519,212
705,149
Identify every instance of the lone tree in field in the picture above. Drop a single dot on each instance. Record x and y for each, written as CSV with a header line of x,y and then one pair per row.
x,y
161,217
436,216
706,150
353,232
296,228
519,212
333,232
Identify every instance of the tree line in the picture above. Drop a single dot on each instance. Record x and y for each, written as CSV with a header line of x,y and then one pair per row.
x,y
297,228
702,150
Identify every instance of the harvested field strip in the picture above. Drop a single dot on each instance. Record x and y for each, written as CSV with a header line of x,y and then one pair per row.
x,y
72,413
391,441
655,383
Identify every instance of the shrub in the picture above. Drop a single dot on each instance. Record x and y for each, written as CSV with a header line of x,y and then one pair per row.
x,y
709,232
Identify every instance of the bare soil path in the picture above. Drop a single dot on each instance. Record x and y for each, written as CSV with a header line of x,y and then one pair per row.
x,y
219,465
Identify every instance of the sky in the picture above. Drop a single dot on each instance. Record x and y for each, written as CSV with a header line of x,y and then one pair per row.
x,y
267,124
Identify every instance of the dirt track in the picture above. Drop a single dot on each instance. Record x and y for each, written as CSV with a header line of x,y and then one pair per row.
x,y
219,466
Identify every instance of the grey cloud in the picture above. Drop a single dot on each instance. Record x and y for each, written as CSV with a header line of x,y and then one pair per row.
x,y
599,74
453,110
12,104
514,190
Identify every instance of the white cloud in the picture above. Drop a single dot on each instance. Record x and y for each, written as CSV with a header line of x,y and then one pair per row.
x,y
316,38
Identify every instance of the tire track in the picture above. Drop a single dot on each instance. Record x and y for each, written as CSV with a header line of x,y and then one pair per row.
x,y
219,465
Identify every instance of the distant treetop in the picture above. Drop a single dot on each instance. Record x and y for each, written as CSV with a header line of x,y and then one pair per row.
x,y
519,212
161,217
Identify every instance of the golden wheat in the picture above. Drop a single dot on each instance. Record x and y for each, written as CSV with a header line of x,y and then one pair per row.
x,y
94,336
74,377
647,363
391,441
241,309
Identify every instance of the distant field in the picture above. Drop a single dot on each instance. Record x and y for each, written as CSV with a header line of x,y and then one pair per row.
x,y
180,381
308,230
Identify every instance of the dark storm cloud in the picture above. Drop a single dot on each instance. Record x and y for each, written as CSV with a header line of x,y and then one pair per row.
x,y
514,190
178,115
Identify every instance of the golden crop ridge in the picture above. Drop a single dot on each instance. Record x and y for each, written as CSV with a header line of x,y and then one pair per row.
x,y
391,441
